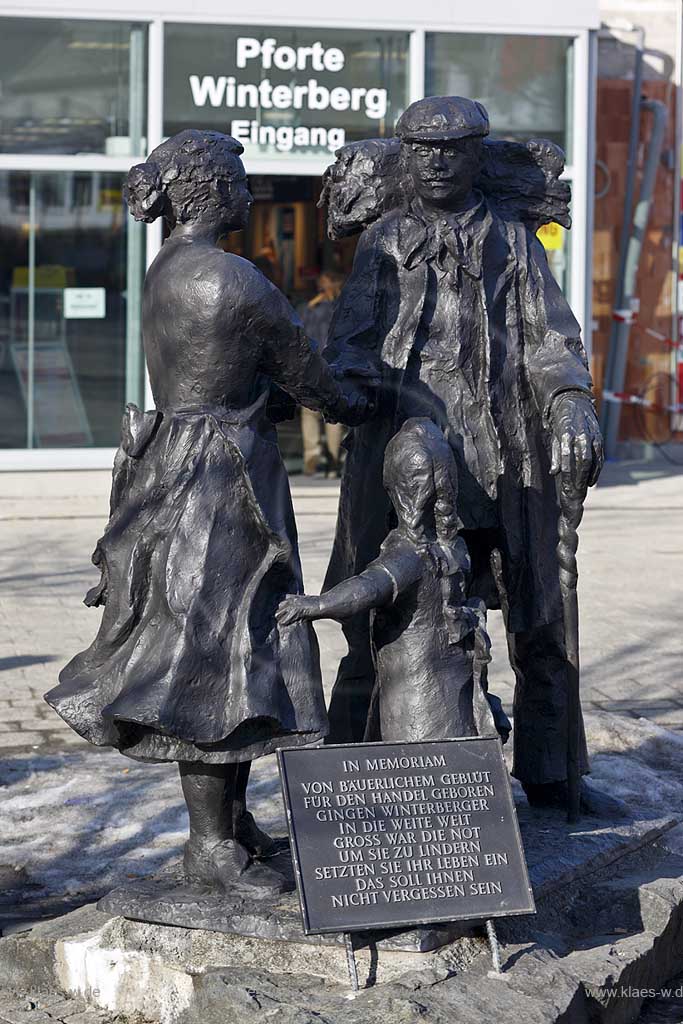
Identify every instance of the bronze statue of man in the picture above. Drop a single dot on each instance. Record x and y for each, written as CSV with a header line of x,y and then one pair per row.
x,y
452,304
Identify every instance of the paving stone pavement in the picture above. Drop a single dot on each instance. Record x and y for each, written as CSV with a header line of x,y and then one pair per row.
x,y
630,558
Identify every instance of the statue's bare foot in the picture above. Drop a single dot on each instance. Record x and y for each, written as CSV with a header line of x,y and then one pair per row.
x,y
592,801
226,866
258,843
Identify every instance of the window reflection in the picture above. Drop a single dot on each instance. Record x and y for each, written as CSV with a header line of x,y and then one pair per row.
x,y
70,262
521,80
68,87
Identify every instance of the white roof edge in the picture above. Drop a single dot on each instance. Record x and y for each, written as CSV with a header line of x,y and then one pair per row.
x,y
532,16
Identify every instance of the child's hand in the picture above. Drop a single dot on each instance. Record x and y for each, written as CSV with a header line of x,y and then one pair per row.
x,y
297,608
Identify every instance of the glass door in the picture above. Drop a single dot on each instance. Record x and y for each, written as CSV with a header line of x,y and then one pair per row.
x,y
71,272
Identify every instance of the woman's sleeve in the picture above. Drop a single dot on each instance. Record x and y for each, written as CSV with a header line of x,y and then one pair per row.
x,y
289,358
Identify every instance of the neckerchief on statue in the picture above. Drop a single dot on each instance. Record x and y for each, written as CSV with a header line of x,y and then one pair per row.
x,y
450,240
452,244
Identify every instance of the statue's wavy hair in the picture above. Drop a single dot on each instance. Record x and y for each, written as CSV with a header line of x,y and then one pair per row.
x,y
179,177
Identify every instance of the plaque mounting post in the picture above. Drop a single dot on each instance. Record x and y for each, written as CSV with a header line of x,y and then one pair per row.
x,y
493,945
351,961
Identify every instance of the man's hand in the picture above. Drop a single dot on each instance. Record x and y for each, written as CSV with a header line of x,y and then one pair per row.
x,y
577,442
297,608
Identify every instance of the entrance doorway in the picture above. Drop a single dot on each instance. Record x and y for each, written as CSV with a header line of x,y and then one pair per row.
x,y
287,240
286,236
70,287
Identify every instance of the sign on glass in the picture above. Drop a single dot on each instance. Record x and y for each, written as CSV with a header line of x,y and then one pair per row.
x,y
281,90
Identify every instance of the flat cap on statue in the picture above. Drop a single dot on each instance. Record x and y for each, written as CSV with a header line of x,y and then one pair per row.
x,y
441,118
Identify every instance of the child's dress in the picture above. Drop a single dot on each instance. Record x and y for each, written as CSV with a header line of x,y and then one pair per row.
x,y
430,648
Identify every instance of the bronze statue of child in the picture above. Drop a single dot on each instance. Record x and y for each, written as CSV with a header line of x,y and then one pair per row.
x,y
430,647
201,545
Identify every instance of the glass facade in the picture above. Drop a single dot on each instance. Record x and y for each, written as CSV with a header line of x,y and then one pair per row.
x,y
523,81
75,94
69,334
293,91
72,86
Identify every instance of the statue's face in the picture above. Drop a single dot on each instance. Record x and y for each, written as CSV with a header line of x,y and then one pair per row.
x,y
234,200
443,172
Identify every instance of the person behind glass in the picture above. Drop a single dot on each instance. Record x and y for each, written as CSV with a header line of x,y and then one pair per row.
x,y
321,440
430,648
188,664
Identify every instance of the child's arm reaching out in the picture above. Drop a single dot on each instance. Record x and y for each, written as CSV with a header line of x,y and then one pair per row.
x,y
372,588
378,585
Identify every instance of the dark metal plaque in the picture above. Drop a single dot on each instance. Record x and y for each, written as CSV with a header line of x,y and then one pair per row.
x,y
386,835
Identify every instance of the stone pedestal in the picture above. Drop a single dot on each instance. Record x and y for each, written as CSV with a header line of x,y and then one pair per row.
x,y
556,853
609,925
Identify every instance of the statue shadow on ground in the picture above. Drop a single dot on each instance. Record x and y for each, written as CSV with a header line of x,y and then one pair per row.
x,y
24,660
16,581
606,909
79,824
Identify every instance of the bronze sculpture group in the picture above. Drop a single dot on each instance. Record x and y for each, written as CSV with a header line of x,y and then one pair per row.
x,y
456,361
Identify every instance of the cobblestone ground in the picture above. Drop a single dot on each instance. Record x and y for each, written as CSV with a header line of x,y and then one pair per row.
x,y
631,563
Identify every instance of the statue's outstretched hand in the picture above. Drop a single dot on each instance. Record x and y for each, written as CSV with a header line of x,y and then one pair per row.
x,y
577,442
297,608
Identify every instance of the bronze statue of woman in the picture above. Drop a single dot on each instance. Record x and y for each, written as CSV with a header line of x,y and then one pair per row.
x,y
201,546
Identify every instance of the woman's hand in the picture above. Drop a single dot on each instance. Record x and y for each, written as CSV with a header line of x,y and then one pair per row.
x,y
358,400
297,608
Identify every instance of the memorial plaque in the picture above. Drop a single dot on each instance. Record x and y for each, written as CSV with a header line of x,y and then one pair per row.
x,y
386,835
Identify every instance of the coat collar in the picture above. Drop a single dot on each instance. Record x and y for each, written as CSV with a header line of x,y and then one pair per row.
x,y
449,240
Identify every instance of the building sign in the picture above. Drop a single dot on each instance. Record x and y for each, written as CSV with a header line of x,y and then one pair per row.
x,y
285,90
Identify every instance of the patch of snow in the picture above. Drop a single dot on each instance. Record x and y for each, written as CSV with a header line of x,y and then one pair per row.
x,y
82,823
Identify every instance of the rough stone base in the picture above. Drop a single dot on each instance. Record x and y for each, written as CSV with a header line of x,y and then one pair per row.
x,y
168,900
557,854
598,945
